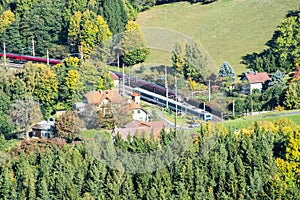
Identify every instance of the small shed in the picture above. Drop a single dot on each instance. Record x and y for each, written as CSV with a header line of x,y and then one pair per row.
x,y
44,129
257,80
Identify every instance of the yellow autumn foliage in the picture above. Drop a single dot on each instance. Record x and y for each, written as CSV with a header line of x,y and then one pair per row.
x,y
6,19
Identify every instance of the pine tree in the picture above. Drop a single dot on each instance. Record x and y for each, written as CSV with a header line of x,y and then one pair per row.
x,y
127,188
115,15
226,71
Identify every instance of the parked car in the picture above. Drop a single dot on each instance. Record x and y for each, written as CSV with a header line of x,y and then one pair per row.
x,y
194,124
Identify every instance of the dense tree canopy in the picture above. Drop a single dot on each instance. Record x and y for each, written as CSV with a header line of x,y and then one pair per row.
x,y
53,24
190,61
292,97
5,121
133,45
283,49
258,162
86,30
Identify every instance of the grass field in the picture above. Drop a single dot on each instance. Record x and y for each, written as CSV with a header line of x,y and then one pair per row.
x,y
226,29
247,121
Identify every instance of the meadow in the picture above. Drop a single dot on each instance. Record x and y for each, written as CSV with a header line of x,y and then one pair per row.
x,y
245,122
226,29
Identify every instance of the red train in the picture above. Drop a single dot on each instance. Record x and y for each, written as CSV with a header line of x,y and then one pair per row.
x,y
24,58
149,86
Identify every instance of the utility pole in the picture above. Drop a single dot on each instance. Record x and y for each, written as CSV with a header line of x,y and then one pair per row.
x,y
233,107
4,52
166,85
208,90
33,51
81,52
128,79
47,57
251,109
118,57
175,103
123,89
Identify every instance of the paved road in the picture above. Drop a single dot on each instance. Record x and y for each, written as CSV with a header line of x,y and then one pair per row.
x,y
13,65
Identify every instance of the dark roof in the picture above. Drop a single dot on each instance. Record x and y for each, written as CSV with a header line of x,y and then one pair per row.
x,y
261,77
44,125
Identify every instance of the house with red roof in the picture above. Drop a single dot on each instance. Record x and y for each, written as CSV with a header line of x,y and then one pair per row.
x,y
141,129
112,97
297,73
137,112
114,78
257,81
98,98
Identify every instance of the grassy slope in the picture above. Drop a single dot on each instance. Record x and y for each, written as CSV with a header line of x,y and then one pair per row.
x,y
227,29
247,121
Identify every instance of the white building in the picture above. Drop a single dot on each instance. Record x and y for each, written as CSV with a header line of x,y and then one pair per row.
x,y
115,79
43,129
137,112
257,81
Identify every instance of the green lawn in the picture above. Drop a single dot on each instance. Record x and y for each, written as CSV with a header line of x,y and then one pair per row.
x,y
226,29
93,132
247,121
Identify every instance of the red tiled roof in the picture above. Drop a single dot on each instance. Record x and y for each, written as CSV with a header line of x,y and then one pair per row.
x,y
297,73
156,124
113,76
135,94
96,97
134,105
132,124
112,95
93,97
140,131
261,77
153,124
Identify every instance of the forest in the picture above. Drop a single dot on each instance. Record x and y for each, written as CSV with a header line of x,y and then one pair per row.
x,y
64,27
260,162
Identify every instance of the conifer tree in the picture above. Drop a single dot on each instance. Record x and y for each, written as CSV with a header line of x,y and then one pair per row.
x,y
115,15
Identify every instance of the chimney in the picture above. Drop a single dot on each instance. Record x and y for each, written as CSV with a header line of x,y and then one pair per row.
x,y
136,97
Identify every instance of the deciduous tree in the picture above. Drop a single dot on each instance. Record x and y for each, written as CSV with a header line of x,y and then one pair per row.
x,y
24,113
292,95
6,19
67,126
189,59
133,45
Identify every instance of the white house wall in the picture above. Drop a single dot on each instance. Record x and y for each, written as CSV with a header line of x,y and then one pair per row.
x,y
142,116
254,86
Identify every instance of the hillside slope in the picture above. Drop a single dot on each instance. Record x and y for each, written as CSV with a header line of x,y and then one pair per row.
x,y
227,29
